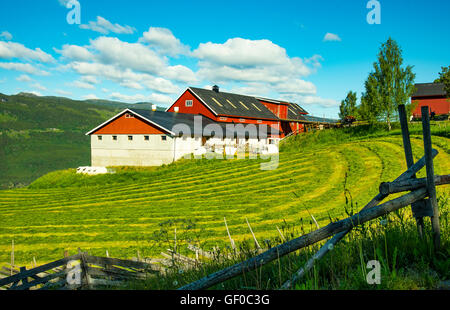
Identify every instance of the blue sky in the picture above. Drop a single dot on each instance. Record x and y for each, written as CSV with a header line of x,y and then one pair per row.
x,y
309,52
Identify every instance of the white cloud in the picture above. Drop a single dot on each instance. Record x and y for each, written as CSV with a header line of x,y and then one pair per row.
x,y
296,86
258,67
104,26
36,93
9,50
27,68
155,98
75,52
119,75
331,37
24,78
81,84
90,96
131,84
242,52
134,56
6,35
39,86
164,41
89,79
63,92
314,100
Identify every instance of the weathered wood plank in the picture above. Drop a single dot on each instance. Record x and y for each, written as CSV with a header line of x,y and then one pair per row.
x,y
25,286
200,251
121,274
408,174
411,184
306,240
37,270
96,260
431,187
409,162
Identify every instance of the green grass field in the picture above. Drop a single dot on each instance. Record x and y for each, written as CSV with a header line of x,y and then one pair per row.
x,y
139,209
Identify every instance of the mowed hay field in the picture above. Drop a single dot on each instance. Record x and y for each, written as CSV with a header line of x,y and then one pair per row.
x,y
139,209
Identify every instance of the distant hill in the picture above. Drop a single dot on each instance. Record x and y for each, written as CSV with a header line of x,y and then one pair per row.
x,y
40,134
123,105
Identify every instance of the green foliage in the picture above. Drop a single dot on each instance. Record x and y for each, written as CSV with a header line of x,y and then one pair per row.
x,y
387,86
348,106
43,134
444,77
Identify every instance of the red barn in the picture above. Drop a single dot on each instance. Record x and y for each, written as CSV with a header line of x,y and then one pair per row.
x,y
432,95
226,107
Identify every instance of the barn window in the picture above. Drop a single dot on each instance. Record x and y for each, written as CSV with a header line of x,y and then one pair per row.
x,y
146,138
99,138
130,138
189,103
259,121
114,138
242,120
128,115
163,138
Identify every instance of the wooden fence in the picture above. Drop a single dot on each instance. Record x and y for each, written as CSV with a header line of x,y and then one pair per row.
x,y
422,199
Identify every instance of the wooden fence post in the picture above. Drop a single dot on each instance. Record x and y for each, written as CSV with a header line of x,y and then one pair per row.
x,y
12,256
415,207
431,188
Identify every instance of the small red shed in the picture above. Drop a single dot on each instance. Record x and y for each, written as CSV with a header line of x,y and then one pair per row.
x,y
432,95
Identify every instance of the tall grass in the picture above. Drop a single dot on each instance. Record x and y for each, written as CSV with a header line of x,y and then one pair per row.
x,y
407,261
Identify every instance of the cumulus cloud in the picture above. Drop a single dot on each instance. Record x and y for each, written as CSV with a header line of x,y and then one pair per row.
x,y
10,50
312,100
164,41
27,68
75,52
24,78
331,37
6,35
258,66
242,52
39,86
155,98
63,92
81,84
104,26
118,75
134,56
90,96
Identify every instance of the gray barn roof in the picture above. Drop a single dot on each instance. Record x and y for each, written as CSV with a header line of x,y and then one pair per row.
x,y
295,112
223,103
174,122
429,89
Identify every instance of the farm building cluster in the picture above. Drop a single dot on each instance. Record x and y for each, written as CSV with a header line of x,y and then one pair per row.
x,y
209,120
199,121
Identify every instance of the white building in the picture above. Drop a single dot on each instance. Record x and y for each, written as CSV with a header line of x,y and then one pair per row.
x,y
152,138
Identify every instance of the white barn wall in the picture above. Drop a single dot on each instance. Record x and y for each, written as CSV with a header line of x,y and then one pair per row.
x,y
138,152
186,145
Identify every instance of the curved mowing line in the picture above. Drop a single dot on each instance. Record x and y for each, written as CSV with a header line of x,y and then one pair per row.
x,y
199,176
164,191
363,158
164,194
326,205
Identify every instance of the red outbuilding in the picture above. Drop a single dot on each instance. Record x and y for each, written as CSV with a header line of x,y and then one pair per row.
x,y
432,95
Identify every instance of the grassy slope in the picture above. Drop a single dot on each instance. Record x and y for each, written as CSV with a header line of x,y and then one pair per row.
x,y
43,134
138,209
